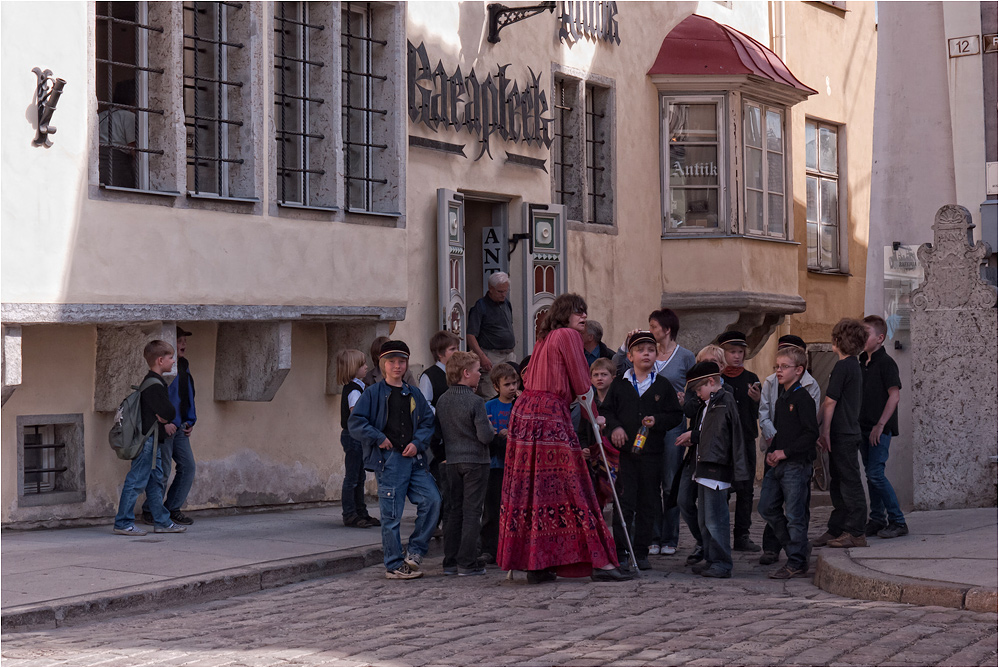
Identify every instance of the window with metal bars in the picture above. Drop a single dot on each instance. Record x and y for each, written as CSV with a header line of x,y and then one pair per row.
x,y
302,94
50,459
565,154
598,156
582,153
219,160
366,99
128,88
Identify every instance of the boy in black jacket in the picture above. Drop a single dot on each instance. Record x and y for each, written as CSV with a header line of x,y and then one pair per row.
x,y
786,492
640,398
745,387
720,464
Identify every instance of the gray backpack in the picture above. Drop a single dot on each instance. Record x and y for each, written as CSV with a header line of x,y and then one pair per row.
x,y
126,435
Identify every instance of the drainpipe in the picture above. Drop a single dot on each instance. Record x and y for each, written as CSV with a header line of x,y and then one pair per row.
x,y
777,14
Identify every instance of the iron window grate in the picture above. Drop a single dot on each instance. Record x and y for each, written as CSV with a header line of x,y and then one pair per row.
x,y
359,108
593,166
562,140
40,466
296,67
123,110
206,78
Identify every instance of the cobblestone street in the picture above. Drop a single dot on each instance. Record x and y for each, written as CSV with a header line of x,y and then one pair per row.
x,y
668,617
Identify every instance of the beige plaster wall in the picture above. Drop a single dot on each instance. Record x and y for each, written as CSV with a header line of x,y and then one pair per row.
x,y
61,246
248,453
834,52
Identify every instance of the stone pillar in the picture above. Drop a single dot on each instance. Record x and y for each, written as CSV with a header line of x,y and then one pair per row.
x,y
954,352
252,359
10,362
119,359
340,335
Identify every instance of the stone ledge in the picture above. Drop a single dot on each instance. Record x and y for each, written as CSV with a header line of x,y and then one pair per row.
x,y
187,590
839,574
13,313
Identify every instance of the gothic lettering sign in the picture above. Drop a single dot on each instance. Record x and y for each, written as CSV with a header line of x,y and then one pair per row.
x,y
483,107
591,20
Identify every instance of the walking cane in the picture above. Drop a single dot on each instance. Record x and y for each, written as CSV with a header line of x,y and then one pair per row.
x,y
586,401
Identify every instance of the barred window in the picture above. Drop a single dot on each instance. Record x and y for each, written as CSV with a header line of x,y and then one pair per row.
x,y
129,102
50,459
822,210
565,163
215,65
367,126
598,156
301,98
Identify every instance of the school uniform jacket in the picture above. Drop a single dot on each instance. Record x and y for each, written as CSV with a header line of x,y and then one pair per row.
x,y
797,426
721,454
624,408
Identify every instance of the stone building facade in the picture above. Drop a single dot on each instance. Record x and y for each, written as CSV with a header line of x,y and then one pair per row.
x,y
287,179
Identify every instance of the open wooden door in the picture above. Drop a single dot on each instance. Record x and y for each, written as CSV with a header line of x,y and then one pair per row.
x,y
451,262
544,264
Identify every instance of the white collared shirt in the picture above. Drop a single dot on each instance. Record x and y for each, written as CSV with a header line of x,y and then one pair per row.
x,y
640,386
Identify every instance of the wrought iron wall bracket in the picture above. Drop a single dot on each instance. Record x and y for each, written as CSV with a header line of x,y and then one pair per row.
x,y
500,16
47,95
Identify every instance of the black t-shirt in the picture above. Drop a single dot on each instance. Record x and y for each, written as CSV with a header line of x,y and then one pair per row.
x,y
154,401
491,324
399,427
846,388
749,410
880,374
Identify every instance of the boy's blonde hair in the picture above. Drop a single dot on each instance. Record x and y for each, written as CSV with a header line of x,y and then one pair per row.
x,y
605,364
501,372
156,349
849,336
794,355
456,366
348,363
712,353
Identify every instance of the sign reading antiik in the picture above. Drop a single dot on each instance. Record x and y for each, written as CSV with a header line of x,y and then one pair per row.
x,y
494,105
592,20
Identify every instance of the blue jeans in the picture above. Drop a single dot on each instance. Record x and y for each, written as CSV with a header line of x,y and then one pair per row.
x,y
400,478
667,524
176,448
136,481
352,492
884,503
686,501
784,504
712,515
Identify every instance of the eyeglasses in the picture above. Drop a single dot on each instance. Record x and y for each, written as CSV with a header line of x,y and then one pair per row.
x,y
784,367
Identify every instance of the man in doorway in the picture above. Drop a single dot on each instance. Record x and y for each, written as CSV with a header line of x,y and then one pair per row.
x,y
490,330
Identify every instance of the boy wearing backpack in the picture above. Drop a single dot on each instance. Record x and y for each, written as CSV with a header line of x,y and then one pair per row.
x,y
157,414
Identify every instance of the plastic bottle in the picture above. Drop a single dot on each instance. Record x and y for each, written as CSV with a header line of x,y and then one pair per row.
x,y
640,438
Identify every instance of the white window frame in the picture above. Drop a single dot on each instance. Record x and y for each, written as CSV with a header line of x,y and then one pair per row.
x,y
765,108
839,260
721,111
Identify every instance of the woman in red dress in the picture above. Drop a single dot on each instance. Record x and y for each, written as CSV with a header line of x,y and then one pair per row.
x,y
550,522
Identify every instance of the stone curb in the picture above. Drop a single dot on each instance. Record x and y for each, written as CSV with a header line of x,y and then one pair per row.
x,y
188,590
838,574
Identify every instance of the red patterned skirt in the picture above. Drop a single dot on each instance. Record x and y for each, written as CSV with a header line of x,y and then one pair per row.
x,y
549,516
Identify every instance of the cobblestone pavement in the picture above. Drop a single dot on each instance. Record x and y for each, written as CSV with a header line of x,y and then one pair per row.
x,y
668,617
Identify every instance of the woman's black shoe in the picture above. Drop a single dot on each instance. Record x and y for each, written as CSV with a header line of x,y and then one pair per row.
x,y
612,575
537,577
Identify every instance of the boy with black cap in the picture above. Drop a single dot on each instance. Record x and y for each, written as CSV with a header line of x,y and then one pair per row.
x,y
745,387
636,399
394,424
720,463
768,398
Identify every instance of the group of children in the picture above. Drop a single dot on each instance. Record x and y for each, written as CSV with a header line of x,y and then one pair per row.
x,y
442,446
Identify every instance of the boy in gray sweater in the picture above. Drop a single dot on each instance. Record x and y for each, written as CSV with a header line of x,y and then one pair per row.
x,y
467,434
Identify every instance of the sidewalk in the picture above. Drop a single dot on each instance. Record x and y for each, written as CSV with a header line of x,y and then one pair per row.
x,y
55,576
949,559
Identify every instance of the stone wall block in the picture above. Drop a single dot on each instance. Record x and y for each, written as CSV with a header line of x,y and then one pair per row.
x,y
251,360
342,335
119,361
954,352
10,361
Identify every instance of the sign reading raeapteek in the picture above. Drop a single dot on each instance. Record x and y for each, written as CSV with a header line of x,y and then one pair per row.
x,y
485,107
589,20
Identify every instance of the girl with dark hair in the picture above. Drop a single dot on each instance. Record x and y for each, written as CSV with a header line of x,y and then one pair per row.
x,y
550,521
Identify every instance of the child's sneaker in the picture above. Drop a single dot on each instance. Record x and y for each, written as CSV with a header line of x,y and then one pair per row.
x,y
785,572
894,531
129,531
668,550
653,549
414,560
404,572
